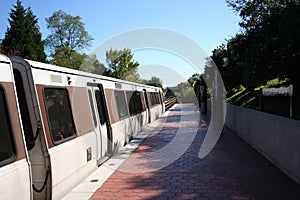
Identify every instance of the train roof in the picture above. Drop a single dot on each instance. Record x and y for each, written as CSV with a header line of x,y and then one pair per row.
x,y
54,68
4,59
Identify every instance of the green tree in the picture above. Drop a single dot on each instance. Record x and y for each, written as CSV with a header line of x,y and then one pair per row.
x,y
121,65
91,64
1,49
193,78
183,89
154,81
268,48
72,59
23,37
238,71
68,34
254,13
132,76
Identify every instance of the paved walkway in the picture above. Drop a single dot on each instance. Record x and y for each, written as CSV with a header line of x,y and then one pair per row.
x,y
166,165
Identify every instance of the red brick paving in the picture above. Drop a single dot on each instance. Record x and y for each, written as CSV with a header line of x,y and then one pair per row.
x,y
232,170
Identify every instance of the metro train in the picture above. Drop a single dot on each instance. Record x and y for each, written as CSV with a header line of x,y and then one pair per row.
x,y
58,125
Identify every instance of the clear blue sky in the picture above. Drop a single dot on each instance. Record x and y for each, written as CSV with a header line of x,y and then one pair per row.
x,y
208,22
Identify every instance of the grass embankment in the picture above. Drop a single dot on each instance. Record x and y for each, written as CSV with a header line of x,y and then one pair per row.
x,y
252,99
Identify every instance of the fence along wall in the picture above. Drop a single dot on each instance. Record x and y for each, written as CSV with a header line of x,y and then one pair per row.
x,y
277,138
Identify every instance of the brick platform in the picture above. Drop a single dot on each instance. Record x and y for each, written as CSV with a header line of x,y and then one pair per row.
x,y
232,170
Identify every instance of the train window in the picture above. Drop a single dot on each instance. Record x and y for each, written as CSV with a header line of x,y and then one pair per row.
x,y
157,101
100,106
24,110
160,97
7,150
92,107
130,99
154,98
135,103
59,112
121,104
137,99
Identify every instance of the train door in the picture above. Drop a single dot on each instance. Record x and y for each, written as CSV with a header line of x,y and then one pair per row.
x,y
32,127
15,178
101,122
147,106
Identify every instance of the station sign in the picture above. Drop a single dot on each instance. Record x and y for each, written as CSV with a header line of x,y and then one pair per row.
x,y
282,91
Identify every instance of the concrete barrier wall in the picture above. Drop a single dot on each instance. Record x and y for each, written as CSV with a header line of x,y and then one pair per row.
x,y
277,138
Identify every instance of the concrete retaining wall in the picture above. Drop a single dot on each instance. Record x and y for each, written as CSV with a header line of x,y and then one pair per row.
x,y
277,138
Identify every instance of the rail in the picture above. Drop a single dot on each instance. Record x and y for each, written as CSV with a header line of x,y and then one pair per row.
x,y
169,102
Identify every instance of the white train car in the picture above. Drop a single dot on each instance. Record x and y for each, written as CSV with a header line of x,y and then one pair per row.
x,y
15,174
68,122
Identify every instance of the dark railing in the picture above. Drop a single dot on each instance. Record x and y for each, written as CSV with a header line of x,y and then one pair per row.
x,y
169,102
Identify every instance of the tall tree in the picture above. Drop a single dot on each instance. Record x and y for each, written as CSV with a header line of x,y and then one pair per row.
x,y
121,65
255,12
67,35
269,46
23,37
1,49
